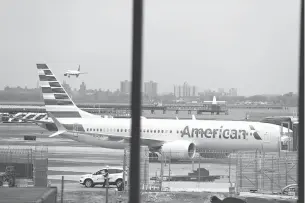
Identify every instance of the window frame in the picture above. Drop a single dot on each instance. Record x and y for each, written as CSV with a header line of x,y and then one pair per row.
x,y
136,103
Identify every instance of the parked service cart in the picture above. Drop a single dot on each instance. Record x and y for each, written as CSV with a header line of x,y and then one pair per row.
x,y
193,176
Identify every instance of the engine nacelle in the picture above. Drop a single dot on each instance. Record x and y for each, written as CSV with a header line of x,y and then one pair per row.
x,y
180,149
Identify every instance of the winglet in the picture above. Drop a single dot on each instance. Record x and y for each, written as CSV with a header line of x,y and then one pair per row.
x,y
193,117
60,127
177,118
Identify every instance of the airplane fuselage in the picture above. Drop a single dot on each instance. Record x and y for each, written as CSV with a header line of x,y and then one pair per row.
x,y
216,135
72,72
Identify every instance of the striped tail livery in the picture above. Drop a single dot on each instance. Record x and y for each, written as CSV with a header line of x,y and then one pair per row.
x,y
56,99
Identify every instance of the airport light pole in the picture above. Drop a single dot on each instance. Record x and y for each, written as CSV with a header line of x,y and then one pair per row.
x,y
134,194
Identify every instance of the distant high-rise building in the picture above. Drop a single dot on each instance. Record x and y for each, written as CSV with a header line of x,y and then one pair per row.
x,y
194,91
177,91
185,90
125,87
82,89
67,87
151,89
233,92
221,90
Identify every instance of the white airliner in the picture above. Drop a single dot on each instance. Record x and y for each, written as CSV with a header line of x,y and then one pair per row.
x,y
179,138
74,72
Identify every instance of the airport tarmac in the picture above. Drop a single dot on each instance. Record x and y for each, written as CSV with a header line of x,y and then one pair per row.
x,y
72,159
234,114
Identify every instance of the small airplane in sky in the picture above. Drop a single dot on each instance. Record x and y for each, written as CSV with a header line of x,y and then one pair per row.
x,y
74,72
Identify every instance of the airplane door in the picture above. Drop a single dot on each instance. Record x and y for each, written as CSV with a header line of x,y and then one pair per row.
x,y
267,137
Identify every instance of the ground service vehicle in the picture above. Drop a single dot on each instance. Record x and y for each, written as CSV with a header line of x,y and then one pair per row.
x,y
97,178
8,176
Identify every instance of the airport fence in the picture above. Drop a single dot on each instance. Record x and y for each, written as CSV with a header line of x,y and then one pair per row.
x,y
174,171
209,170
144,168
265,172
30,163
218,171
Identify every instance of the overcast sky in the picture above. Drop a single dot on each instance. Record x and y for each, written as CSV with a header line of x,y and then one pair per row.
x,y
248,44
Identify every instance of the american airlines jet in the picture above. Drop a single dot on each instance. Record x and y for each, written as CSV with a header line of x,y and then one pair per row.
x,y
74,72
180,138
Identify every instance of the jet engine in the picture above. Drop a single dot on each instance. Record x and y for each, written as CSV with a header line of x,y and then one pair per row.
x,y
180,149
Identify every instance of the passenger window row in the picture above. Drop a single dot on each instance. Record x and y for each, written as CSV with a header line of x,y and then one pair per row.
x,y
128,130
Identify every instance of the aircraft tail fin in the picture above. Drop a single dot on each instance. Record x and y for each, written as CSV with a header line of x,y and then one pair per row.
x,y
214,100
78,68
56,99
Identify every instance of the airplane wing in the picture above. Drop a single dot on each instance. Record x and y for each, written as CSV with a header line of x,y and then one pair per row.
x,y
106,137
117,138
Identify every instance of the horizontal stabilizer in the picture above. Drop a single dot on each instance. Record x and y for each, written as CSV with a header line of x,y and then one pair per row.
x,y
57,133
60,127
